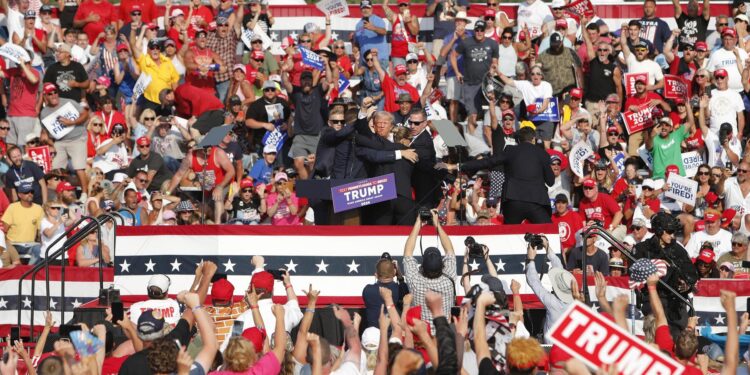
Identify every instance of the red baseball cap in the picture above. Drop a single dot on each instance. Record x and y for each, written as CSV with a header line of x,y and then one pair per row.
x,y
679,100
64,186
706,255
589,182
710,217
700,225
672,169
561,24
596,216
222,290
576,93
727,216
152,26
246,183
134,8
262,280
400,69
258,55
256,336
701,46
143,141
49,87
402,2
613,129
489,13
720,73
711,198
729,31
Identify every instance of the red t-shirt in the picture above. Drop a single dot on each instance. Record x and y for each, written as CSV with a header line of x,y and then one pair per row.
x,y
22,94
175,35
93,142
391,89
653,204
105,10
633,100
201,17
111,365
603,204
297,69
111,119
620,185
345,64
663,339
568,223
192,101
148,10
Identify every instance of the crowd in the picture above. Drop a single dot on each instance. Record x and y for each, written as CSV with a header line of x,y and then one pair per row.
x,y
408,325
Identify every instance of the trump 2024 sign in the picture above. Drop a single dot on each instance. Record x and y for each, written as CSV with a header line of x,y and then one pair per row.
x,y
596,340
364,192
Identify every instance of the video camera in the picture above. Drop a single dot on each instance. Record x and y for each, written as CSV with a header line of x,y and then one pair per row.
x,y
535,240
501,299
476,250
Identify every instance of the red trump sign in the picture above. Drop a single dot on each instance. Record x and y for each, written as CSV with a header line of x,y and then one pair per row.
x,y
596,340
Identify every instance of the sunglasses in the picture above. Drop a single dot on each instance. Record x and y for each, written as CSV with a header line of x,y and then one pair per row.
x,y
256,41
588,188
338,47
259,60
613,134
143,146
489,18
722,24
640,49
4,128
603,50
51,93
508,118
142,179
403,5
702,76
703,173
741,170
669,231
491,4
507,37
504,101
720,77
337,122
247,190
412,122
688,49
557,9
536,73
648,188
412,61
636,227
149,118
54,208
135,13
716,175
368,60
96,124
267,89
306,41
737,244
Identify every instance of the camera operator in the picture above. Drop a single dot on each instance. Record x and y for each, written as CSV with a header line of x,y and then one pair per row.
x,y
473,251
596,260
564,285
436,273
680,274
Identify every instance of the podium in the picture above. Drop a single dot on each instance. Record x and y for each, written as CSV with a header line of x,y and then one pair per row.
x,y
318,193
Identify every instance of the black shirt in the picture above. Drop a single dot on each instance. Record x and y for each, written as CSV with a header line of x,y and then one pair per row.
x,y
60,75
137,364
310,111
262,110
27,172
154,162
693,29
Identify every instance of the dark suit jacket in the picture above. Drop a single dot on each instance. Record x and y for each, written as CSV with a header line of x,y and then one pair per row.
x,y
527,172
424,179
380,158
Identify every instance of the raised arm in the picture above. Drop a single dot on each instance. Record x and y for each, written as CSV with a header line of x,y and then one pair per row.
x,y
411,241
445,241
300,348
624,41
731,350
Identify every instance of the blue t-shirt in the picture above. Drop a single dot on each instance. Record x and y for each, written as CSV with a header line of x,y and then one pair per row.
x,y
368,39
459,59
656,31
261,172
372,299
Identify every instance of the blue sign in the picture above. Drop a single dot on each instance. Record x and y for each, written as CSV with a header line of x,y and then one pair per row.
x,y
552,113
343,83
620,162
363,193
276,137
311,59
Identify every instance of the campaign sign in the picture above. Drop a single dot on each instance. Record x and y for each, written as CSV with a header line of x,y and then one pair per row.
x,y
597,341
40,156
363,193
52,121
630,79
690,162
276,137
675,87
14,53
646,157
552,113
578,155
140,85
343,83
682,189
639,120
620,163
333,8
311,59
579,9
247,36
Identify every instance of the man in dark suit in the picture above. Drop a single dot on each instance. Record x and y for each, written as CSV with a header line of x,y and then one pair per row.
x,y
528,171
424,178
383,156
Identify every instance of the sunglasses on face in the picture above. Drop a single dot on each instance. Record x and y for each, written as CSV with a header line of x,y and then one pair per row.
x,y
257,41
51,93
741,170
414,123
338,47
507,37
4,128
489,18
412,61
603,50
258,60
588,188
268,89
135,14
337,122
247,190
491,4
719,77
142,146
403,5
703,173
636,227
305,41
735,244
669,231
369,59
508,118
722,24
613,134
715,175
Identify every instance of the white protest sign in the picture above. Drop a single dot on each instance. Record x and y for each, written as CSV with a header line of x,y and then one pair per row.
x,y
646,157
247,36
52,121
334,8
140,85
691,161
14,53
682,189
578,155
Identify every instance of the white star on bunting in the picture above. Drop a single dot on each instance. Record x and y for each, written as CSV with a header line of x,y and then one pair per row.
x,y
719,319
3,303
500,265
291,266
229,265
334,35
294,36
353,267
274,36
150,265
175,265
125,266
76,303
52,304
26,302
474,265
322,266
523,266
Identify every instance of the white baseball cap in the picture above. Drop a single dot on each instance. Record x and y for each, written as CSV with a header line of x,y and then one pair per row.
x,y
371,338
160,281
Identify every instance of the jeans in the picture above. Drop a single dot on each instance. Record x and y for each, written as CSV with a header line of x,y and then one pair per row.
x,y
172,164
221,89
33,250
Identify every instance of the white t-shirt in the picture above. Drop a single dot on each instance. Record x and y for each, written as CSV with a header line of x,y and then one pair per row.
x,y
724,106
292,316
15,23
721,58
717,157
506,60
722,242
116,157
46,241
646,66
733,196
533,15
169,308
531,93
418,80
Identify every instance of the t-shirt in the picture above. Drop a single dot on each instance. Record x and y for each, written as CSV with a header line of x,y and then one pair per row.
x,y
105,10
148,10
533,16
663,339
27,172
191,101
22,93
46,224
568,224
733,197
309,111
722,242
266,365
531,93
368,39
506,61
603,204
169,308
163,76
645,66
78,131
667,151
717,155
392,90
478,58
597,262
201,17
656,31
723,59
283,215
23,222
154,162
693,28
137,364
246,211
373,301
444,23
60,75
724,106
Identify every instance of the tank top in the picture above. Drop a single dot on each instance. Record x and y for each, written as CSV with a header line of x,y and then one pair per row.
x,y
401,38
202,57
131,219
213,173
600,83
492,35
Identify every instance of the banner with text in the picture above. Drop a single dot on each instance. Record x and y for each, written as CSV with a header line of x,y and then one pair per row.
x,y
597,341
646,157
333,8
630,79
639,120
363,193
682,189
247,37
578,155
52,121
675,87
40,156
311,59
552,113
579,9
690,162
140,85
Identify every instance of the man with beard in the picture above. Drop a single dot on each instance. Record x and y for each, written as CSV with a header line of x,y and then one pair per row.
x,y
68,75
681,275
66,194
693,26
310,108
22,171
479,57
266,113
201,63
223,42
151,162
393,88
603,76
664,143
683,66
639,62
560,65
643,96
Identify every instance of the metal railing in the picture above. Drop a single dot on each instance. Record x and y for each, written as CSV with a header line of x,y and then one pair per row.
x,y
606,236
91,225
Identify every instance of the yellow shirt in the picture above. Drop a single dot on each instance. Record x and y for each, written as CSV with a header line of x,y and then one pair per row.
x,y
23,222
163,76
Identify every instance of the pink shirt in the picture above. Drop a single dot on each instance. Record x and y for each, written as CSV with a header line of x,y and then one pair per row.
x,y
267,365
283,215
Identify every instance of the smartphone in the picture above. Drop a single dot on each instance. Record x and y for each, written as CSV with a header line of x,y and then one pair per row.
x,y
15,334
237,328
66,329
366,19
118,313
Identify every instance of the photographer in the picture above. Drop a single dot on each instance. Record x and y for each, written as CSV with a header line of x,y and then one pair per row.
x,y
436,273
386,272
473,251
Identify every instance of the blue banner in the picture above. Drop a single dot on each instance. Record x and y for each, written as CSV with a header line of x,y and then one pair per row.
x,y
276,137
311,59
343,83
363,193
620,162
552,113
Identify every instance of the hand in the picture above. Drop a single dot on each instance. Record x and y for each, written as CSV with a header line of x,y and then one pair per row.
x,y
192,300
218,194
704,101
20,349
252,296
386,294
125,323
419,328
620,303
460,77
9,368
278,311
92,17
257,260
312,295
601,284
434,302
676,32
727,299
313,340
693,321
285,278
485,299
184,362
410,155
63,120
530,252
435,216
515,287
702,360
342,315
48,321
209,268
356,322
577,295
462,321
181,296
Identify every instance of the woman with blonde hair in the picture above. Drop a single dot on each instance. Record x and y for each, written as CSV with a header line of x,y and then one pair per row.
x,y
87,254
144,125
53,225
96,135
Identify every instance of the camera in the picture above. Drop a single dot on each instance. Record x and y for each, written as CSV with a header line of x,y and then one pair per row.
x,y
386,255
534,240
277,274
426,216
724,132
476,250
501,302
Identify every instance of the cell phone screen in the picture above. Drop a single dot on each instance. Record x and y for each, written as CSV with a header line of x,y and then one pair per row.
x,y
118,313
237,328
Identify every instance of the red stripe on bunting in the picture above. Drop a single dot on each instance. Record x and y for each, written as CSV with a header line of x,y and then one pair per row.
x,y
72,274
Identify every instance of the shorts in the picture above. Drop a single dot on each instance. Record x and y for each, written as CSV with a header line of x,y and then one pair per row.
x,y
453,89
303,145
472,98
20,127
545,130
73,149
